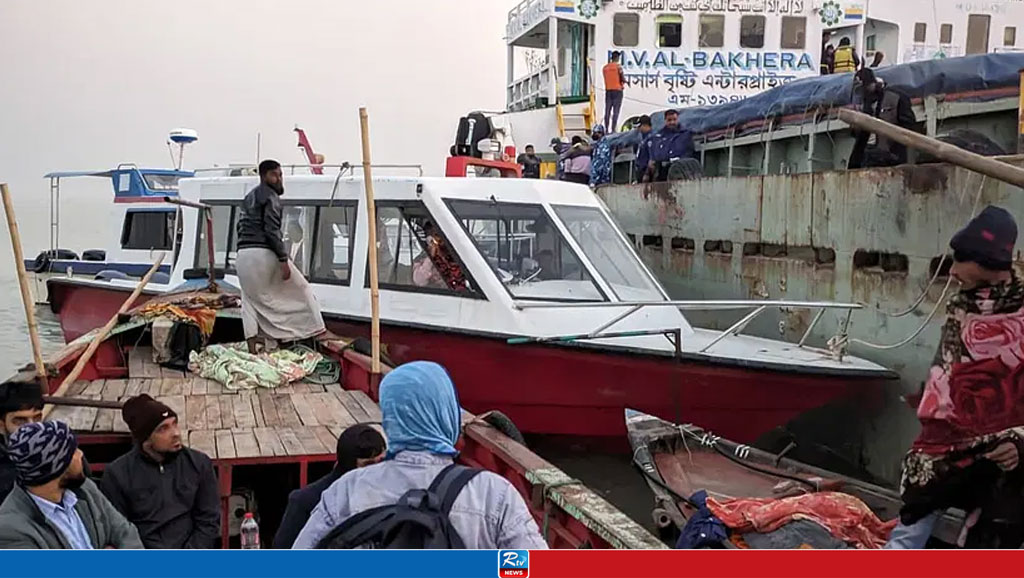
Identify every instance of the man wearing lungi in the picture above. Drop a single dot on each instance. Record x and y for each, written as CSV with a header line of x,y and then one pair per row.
x,y
277,301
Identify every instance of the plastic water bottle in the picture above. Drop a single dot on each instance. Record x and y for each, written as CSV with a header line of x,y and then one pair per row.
x,y
250,533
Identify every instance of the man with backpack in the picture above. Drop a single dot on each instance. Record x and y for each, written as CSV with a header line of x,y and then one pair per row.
x,y
418,497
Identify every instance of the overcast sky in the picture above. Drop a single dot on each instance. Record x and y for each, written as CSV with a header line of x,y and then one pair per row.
x,y
88,85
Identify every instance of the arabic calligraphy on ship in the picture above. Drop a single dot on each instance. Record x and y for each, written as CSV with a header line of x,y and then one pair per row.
x,y
741,6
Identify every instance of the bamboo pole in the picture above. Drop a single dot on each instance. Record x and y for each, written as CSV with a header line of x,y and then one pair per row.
x,y
371,216
945,152
26,295
104,332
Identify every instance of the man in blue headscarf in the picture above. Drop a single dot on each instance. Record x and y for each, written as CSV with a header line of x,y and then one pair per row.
x,y
422,423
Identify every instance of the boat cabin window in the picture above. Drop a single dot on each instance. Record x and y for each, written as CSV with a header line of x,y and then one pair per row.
x,y
1010,36
613,258
920,33
148,229
626,29
335,240
526,251
794,32
414,255
224,237
946,34
161,183
670,31
712,30
752,31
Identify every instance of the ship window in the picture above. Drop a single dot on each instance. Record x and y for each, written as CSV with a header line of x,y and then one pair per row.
x,y
1010,36
148,230
946,34
611,256
224,237
626,29
752,31
670,31
870,43
921,33
712,30
414,254
335,240
526,251
978,26
794,32
161,183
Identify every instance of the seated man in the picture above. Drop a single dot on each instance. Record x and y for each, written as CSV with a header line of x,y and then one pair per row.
x,y
358,446
422,422
169,491
55,506
21,402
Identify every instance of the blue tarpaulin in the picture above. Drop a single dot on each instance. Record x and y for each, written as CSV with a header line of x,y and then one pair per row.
x,y
919,79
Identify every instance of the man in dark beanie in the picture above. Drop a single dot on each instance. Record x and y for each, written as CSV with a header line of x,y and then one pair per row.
x,y
54,505
166,489
358,446
968,453
21,402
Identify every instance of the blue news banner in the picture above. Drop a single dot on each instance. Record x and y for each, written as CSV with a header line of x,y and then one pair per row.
x,y
264,563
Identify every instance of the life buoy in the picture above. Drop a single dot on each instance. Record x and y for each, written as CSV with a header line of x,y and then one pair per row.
x,y
42,262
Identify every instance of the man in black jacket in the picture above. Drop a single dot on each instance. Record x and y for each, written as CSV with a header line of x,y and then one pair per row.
x,y
168,491
358,446
277,301
21,402
889,105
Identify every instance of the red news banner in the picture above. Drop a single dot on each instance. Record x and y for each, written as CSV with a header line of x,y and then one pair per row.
x,y
775,564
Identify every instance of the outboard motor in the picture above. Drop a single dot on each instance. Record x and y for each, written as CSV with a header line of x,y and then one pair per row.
x,y
473,128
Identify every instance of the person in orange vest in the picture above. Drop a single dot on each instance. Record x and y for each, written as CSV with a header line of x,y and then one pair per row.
x,y
845,58
614,82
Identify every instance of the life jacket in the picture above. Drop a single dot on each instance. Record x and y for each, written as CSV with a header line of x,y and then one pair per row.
x,y
844,61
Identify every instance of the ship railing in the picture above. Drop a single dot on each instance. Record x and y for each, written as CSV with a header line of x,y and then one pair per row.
x,y
526,92
343,169
757,309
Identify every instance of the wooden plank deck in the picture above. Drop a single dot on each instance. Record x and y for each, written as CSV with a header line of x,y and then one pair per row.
x,y
298,420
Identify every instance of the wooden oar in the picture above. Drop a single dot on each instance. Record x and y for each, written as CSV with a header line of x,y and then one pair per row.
x,y
26,295
371,214
104,332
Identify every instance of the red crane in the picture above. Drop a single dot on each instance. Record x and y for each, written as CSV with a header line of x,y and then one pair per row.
x,y
316,161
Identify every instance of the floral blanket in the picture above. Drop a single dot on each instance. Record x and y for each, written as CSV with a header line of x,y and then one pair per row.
x,y
237,369
972,401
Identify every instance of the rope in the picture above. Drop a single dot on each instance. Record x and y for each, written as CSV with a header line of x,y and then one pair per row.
x,y
840,341
326,372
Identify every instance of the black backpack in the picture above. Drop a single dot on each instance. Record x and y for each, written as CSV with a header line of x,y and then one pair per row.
x,y
418,521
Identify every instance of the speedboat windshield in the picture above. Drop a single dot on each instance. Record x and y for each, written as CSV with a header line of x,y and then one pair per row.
x,y
526,251
613,258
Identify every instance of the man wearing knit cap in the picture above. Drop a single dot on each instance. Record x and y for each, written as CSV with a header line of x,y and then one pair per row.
x,y
968,453
21,402
166,489
54,505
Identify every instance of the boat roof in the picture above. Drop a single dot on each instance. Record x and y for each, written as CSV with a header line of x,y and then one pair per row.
x,y
132,184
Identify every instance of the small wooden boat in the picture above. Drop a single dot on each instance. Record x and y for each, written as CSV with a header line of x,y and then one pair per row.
x,y
266,443
680,460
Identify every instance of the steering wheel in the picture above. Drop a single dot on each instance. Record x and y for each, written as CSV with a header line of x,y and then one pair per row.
x,y
532,276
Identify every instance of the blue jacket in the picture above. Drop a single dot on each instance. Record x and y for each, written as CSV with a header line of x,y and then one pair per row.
x,y
667,145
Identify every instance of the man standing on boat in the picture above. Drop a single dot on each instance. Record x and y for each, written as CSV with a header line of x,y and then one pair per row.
x,y
889,105
167,490
21,402
277,301
670,144
968,453
614,85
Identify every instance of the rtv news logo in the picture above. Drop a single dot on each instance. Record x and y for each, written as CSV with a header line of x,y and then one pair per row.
x,y
513,564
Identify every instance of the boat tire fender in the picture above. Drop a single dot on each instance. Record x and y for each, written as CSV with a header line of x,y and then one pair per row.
x,y
502,423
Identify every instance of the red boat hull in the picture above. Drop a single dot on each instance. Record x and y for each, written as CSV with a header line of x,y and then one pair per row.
x,y
582,391
568,390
